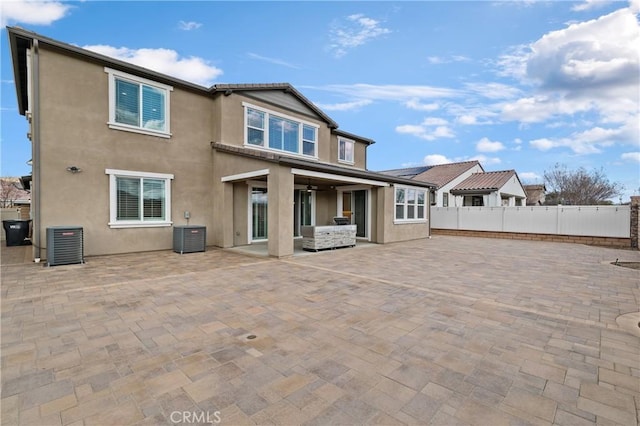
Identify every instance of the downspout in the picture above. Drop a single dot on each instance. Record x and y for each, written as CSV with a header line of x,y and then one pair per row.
x,y
35,117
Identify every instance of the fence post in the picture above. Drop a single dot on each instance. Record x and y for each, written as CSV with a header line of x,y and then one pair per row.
x,y
635,211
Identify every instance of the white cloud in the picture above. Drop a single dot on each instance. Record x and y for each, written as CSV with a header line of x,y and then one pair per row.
x,y
467,119
590,5
344,106
426,132
352,32
32,12
418,106
434,121
389,92
540,108
494,90
530,176
513,63
590,141
437,60
542,144
474,113
601,53
273,60
435,159
188,26
485,145
483,159
631,156
586,72
166,61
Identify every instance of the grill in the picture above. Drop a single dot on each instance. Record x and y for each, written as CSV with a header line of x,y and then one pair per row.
x,y
339,220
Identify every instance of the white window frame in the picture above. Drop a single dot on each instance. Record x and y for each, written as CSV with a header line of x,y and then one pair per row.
x,y
405,204
113,74
265,143
346,141
113,199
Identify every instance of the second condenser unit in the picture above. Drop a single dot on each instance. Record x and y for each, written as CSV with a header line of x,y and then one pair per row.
x,y
189,239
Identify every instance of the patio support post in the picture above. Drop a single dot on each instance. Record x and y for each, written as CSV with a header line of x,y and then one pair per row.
x,y
635,228
280,211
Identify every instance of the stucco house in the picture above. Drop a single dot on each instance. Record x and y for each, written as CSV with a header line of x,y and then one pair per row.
x,y
467,184
127,153
491,189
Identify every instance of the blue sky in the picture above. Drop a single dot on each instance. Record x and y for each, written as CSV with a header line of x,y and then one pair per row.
x,y
515,84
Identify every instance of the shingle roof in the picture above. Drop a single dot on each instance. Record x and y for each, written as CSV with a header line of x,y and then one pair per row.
x,y
485,181
442,174
408,172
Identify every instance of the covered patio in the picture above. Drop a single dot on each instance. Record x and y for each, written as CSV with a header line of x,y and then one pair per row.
x,y
265,198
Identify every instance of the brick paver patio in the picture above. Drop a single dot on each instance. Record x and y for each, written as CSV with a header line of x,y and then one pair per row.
x,y
444,331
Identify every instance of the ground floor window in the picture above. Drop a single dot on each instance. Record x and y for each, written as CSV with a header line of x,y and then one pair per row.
x,y
139,199
410,204
473,201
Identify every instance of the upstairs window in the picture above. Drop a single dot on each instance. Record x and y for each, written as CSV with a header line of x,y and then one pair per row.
x,y
275,131
345,150
410,205
138,105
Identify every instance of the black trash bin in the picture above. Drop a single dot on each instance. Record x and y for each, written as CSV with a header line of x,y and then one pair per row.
x,y
17,232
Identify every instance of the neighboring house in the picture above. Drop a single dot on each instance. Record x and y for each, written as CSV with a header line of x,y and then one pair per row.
x,y
535,194
467,184
491,189
127,153
444,176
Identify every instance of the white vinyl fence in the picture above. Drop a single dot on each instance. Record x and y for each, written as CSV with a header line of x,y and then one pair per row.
x,y
594,221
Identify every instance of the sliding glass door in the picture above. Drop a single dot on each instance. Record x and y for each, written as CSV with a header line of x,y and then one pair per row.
x,y
302,210
259,224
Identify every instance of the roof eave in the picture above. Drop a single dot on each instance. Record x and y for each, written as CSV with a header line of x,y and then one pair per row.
x,y
482,191
17,43
30,36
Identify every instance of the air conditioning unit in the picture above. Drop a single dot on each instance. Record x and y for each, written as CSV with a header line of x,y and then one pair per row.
x,y
189,239
65,245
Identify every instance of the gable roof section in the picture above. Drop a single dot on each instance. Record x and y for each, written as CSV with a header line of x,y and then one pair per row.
x,y
484,182
352,136
228,89
20,40
442,174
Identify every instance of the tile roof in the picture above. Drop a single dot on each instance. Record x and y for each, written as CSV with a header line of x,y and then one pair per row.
x,y
485,181
442,174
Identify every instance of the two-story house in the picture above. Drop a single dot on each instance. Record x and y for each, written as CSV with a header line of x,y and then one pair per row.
x,y
127,153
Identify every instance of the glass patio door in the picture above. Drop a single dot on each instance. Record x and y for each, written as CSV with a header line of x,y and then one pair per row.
x,y
302,210
259,224
360,212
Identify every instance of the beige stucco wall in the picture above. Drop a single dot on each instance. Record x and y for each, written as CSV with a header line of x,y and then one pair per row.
x,y
359,154
230,129
387,230
74,105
